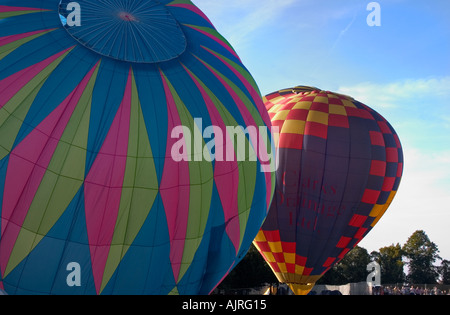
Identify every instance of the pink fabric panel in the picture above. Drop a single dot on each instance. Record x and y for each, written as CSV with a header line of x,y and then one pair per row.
x,y
192,8
14,83
254,94
26,168
262,149
174,189
103,187
219,41
12,38
226,175
4,8
249,121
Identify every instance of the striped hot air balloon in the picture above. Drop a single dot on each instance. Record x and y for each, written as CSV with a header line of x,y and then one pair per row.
x,y
99,193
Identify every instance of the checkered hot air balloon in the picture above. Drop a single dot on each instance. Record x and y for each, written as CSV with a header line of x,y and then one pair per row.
x,y
92,198
340,165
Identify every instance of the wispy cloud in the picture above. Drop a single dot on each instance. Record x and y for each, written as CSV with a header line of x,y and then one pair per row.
x,y
393,94
419,109
342,33
239,19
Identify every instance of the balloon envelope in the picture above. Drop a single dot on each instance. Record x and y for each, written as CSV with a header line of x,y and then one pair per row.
x,y
110,179
340,165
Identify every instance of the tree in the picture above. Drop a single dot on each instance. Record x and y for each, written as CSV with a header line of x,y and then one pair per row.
x,y
390,260
352,268
444,271
252,271
334,276
421,254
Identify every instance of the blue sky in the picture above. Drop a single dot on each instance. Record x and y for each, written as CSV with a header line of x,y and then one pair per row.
x,y
400,68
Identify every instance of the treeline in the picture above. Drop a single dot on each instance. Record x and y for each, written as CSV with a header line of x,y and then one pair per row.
x,y
419,255
414,262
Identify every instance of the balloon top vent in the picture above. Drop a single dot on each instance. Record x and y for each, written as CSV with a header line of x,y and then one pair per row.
x,y
141,31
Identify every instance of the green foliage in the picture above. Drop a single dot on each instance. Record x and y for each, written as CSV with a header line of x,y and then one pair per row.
x,y
421,254
352,268
444,271
251,272
390,260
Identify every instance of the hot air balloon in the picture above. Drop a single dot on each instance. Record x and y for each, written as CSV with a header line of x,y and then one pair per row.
x,y
340,165
110,179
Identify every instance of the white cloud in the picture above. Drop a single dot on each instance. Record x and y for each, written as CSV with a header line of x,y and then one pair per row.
x,y
418,109
393,94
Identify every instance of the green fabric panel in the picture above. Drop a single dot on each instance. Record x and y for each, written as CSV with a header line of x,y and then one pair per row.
x,y
243,71
5,50
13,113
4,15
246,158
174,291
180,2
62,180
201,185
140,187
22,247
213,32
